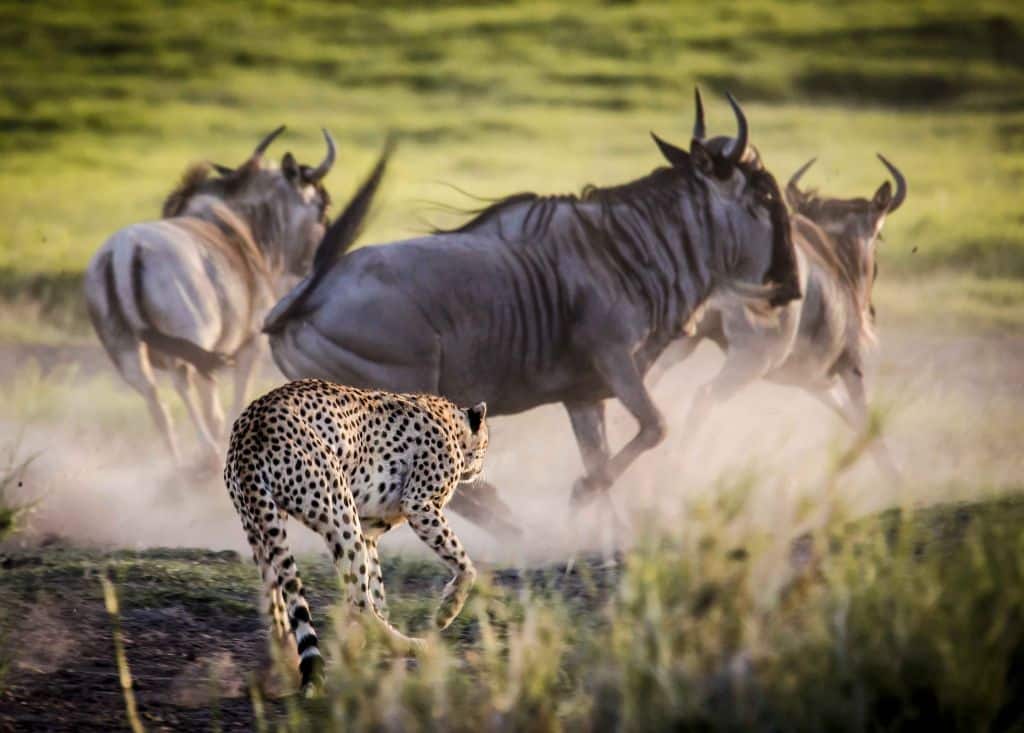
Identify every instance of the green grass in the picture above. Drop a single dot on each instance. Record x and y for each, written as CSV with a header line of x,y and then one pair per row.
x,y
103,105
12,510
901,619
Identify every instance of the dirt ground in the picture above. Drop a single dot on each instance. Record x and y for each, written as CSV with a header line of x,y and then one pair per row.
x,y
193,639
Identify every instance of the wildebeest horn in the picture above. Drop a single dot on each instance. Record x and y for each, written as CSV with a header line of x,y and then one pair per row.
x,y
794,196
901,183
734,153
222,169
698,121
265,143
324,168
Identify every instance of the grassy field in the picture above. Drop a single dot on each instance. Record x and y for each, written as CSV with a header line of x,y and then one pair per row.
x,y
103,105
895,621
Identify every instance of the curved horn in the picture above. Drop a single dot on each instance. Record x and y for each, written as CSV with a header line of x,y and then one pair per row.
x,y
324,168
222,169
793,193
698,120
265,143
734,153
901,183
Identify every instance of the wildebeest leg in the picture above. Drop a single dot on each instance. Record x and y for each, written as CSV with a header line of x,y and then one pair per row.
x,y
677,352
740,369
209,400
184,382
588,425
478,501
245,363
591,437
620,373
135,368
858,419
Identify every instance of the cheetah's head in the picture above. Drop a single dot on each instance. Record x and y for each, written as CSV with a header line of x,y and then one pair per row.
x,y
474,440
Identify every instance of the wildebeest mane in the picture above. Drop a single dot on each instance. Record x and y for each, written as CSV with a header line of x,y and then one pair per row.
x,y
817,207
843,255
538,215
192,181
236,234
843,258
616,232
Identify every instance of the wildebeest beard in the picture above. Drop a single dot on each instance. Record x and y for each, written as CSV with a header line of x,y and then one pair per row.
x,y
783,269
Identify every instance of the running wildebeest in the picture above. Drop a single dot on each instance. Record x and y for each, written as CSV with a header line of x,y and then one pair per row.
x,y
570,303
187,294
822,338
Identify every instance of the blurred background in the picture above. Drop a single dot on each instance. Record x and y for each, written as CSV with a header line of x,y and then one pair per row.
x,y
104,104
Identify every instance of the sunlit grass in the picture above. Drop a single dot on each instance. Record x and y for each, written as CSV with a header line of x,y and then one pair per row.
x,y
945,300
12,505
908,616
103,110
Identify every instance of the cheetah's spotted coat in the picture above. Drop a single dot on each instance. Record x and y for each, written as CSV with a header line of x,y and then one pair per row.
x,y
350,464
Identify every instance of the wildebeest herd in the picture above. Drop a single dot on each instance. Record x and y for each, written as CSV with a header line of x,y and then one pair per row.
x,y
536,300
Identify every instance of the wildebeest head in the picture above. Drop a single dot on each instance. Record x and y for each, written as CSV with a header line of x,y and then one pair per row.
x,y
732,166
853,224
855,219
285,205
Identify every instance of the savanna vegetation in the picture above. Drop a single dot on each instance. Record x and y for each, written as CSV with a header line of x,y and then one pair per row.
x,y
894,622
103,104
774,596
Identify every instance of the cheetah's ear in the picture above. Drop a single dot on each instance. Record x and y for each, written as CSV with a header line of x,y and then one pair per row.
x,y
476,415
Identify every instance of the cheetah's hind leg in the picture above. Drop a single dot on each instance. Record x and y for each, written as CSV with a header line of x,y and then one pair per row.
x,y
355,563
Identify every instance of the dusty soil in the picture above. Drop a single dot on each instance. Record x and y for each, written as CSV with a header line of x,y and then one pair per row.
x,y
195,644
193,639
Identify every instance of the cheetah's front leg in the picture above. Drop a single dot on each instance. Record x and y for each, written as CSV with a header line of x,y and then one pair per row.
x,y
429,524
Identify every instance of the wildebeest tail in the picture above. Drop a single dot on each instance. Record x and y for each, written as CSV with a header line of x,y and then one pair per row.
x,y
337,240
203,360
173,346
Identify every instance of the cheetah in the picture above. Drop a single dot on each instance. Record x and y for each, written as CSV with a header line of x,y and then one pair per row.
x,y
350,464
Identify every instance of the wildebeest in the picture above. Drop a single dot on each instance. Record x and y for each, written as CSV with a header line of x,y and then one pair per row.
x,y
571,302
822,338
187,293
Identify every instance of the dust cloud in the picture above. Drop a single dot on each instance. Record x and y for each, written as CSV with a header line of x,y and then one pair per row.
x,y
951,412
